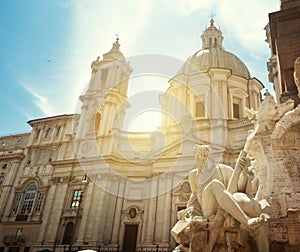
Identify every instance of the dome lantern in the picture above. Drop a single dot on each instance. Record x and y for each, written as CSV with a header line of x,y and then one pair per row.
x,y
212,37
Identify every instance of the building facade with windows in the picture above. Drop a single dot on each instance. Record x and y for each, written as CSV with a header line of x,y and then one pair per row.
x,y
283,37
79,181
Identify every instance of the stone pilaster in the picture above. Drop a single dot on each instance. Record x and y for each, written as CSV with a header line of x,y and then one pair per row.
x,y
151,215
167,213
55,212
87,198
48,207
118,213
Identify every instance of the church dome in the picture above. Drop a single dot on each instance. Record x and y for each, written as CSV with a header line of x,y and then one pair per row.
x,y
213,55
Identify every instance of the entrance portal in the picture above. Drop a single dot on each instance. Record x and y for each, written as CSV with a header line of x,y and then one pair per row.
x,y
130,237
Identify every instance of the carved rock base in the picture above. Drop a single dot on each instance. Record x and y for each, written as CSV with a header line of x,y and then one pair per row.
x,y
207,238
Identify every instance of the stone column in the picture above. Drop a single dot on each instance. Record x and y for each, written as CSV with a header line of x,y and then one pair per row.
x,y
224,96
105,121
83,124
97,80
110,77
117,79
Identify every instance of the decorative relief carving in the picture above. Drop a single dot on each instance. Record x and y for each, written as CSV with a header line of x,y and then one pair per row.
x,y
186,187
238,92
87,148
132,213
63,179
288,120
291,166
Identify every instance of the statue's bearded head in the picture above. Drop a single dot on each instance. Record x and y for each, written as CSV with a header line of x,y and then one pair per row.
x,y
201,153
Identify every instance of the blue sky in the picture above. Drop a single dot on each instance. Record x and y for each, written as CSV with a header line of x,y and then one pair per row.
x,y
46,47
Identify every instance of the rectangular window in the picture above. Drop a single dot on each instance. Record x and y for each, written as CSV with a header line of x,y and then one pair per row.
x,y
39,202
200,109
236,110
42,157
51,156
16,203
76,199
31,157
28,202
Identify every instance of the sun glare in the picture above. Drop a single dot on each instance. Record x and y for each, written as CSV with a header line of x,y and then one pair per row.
x,y
144,115
146,121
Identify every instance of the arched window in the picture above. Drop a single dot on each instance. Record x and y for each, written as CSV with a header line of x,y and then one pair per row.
x,y
48,133
58,131
94,124
28,202
236,110
37,134
68,233
28,199
97,122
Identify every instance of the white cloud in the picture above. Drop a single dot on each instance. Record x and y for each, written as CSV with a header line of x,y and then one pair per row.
x,y
41,101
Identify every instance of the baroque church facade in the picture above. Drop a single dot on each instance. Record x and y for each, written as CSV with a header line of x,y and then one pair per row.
x,y
79,181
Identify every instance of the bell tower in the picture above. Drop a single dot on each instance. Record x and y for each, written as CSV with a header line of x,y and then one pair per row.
x,y
105,101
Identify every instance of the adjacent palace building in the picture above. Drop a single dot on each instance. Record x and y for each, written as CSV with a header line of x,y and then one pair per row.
x,y
79,181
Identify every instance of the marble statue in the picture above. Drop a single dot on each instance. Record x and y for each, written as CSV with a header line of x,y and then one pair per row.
x,y
220,194
297,74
